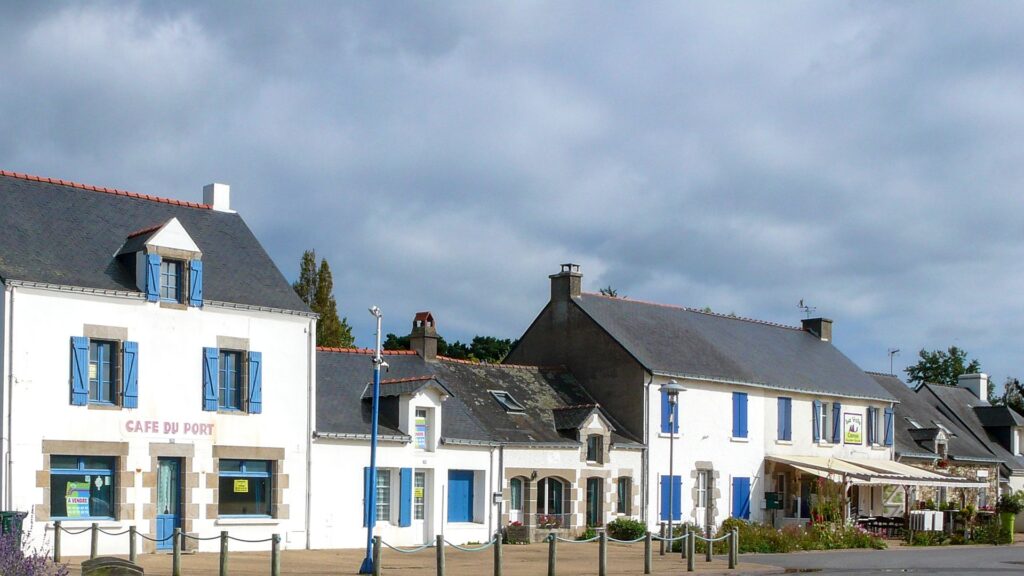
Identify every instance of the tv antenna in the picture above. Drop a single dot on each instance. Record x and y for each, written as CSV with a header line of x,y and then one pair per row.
x,y
892,352
807,308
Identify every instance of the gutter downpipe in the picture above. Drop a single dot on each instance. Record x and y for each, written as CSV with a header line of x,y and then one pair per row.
x,y
371,487
310,355
6,399
645,461
491,504
501,482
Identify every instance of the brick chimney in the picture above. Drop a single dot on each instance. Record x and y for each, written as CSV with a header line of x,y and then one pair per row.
x,y
976,383
423,338
567,283
820,327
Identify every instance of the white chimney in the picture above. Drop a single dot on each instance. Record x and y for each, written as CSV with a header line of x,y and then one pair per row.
x,y
976,383
218,197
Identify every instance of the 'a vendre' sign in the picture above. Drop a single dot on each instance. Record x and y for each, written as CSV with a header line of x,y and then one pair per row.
x,y
168,428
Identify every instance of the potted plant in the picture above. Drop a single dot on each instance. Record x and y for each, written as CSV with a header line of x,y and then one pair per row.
x,y
1008,507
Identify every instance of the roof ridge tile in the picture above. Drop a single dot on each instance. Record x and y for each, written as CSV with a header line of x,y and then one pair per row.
x,y
697,311
103,189
354,350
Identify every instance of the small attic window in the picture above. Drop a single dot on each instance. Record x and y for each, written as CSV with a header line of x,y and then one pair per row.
x,y
941,427
507,401
913,422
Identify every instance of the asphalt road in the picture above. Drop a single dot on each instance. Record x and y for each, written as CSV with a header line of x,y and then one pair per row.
x,y
965,560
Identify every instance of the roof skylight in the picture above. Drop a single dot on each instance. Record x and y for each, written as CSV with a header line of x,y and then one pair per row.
x,y
507,402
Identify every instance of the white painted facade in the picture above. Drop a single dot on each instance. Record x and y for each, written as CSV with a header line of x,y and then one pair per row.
x,y
41,423
705,442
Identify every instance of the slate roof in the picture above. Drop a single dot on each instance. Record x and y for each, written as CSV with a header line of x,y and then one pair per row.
x,y
683,342
959,403
64,233
572,417
911,442
470,414
998,416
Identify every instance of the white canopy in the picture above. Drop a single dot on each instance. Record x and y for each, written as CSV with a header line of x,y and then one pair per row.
x,y
873,472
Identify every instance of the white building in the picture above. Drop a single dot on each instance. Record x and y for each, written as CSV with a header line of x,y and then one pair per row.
x,y
157,368
465,449
768,409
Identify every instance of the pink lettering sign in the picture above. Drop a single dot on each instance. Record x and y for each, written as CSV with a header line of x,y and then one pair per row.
x,y
168,428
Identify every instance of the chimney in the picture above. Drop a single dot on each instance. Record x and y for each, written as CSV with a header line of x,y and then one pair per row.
x,y
820,327
976,383
218,196
567,283
423,338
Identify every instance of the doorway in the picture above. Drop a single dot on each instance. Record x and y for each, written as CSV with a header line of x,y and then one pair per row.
x,y
595,495
168,501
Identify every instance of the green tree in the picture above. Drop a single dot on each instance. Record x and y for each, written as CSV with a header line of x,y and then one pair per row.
x,y
392,342
609,291
480,349
1013,395
942,367
316,288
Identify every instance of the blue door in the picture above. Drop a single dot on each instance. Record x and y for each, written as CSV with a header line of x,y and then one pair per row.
x,y
741,498
460,495
168,501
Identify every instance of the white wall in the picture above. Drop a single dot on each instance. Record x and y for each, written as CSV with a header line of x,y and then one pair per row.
x,y
170,391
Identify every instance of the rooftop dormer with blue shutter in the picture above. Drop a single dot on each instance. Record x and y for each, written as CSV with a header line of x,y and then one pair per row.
x,y
168,264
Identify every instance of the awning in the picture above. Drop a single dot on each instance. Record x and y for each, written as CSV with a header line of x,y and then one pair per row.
x,y
861,471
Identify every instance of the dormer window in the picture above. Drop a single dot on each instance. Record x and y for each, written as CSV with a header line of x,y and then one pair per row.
x,y
507,402
170,281
912,422
941,427
941,449
595,445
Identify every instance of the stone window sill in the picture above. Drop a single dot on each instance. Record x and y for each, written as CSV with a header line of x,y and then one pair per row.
x,y
739,439
247,522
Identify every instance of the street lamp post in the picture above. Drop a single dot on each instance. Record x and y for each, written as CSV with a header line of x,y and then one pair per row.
x,y
672,390
371,482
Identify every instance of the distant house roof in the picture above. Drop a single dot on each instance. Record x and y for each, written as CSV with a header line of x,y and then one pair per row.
x,y
471,414
996,416
960,405
64,233
683,342
914,442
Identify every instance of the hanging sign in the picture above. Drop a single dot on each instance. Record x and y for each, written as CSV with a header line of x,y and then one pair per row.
x,y
853,428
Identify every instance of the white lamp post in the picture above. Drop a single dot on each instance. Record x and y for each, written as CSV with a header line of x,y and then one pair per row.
x,y
672,390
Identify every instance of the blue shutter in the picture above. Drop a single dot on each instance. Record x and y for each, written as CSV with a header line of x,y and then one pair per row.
x,y
669,417
739,414
837,422
785,416
130,363
211,365
676,484
789,418
152,277
79,370
366,494
195,283
741,498
405,497
460,495
871,425
816,424
255,405
888,426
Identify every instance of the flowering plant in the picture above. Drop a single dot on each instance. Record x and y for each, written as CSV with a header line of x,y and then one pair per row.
x,y
19,559
549,521
517,523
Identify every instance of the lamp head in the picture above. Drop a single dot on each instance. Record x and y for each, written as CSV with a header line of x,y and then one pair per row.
x,y
672,388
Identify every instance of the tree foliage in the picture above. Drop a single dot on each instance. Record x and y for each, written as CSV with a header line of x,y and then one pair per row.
x,y
481,349
942,366
1013,395
609,291
315,287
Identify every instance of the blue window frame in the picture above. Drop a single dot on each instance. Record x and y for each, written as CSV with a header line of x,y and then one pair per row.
x,y
244,488
82,487
102,372
230,380
170,281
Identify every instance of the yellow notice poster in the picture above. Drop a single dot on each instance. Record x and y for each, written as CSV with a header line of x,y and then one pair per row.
x,y
418,492
241,486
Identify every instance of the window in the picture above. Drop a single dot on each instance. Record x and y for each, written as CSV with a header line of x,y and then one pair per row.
x,y
170,281
595,446
912,422
383,495
419,495
982,498
507,402
785,410
244,488
102,372
549,496
702,488
824,431
739,414
941,449
624,491
421,428
82,487
230,380
515,488
872,427
940,426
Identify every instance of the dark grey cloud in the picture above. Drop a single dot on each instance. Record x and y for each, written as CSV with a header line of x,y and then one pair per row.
x,y
863,156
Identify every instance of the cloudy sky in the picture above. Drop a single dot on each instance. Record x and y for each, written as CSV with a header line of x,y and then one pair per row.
x,y
866,157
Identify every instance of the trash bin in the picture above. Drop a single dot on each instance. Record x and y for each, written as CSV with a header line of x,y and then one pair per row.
x,y
10,523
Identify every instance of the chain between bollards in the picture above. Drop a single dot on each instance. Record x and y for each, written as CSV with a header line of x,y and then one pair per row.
x,y
647,553
275,557
56,542
691,543
94,542
497,553
176,559
552,553
440,555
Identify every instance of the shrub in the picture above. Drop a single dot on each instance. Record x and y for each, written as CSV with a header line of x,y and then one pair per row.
x,y
1011,503
626,529
21,560
587,534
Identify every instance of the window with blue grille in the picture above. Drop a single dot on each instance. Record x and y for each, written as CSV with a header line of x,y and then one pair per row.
x,y
170,281
230,392
82,487
102,372
244,488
